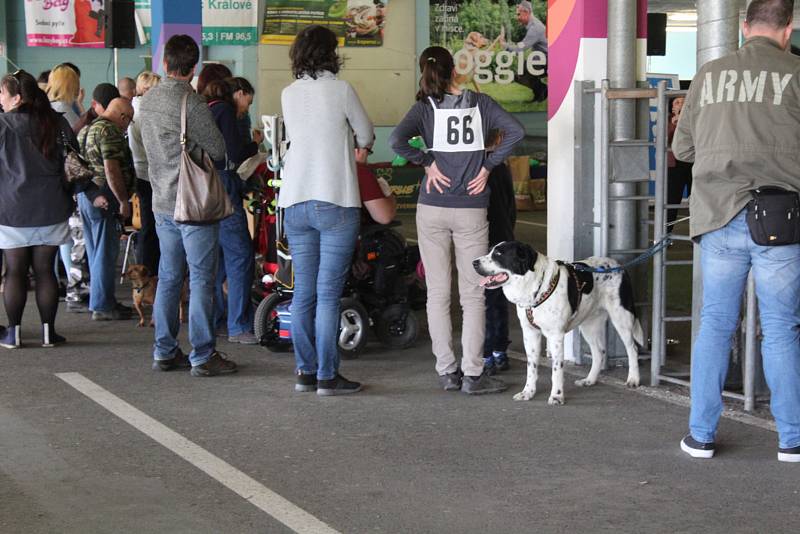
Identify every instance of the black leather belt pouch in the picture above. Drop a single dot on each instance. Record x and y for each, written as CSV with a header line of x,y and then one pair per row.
x,y
773,217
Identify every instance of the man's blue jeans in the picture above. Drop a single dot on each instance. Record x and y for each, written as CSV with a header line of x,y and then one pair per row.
x,y
322,239
195,246
101,231
236,264
727,256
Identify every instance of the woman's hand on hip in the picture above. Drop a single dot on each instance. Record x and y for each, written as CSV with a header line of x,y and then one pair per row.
x,y
478,184
436,178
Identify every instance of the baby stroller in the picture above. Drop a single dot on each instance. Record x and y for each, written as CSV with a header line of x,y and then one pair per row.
x,y
380,292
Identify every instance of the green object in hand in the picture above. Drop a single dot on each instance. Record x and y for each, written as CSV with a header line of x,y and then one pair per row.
x,y
415,142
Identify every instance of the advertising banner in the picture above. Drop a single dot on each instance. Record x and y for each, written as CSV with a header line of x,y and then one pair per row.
x,y
499,47
230,22
356,22
65,23
79,23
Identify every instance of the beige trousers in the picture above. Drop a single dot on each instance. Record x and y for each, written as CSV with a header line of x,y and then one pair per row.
x,y
439,231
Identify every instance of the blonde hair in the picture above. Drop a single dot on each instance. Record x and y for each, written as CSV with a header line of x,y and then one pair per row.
x,y
63,85
146,81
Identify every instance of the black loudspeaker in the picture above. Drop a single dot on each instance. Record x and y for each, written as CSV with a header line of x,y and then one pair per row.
x,y
120,23
656,34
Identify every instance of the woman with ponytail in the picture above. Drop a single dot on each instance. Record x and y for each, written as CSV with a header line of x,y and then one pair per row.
x,y
451,213
34,203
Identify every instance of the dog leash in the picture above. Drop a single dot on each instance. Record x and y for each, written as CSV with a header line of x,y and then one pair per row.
x,y
649,253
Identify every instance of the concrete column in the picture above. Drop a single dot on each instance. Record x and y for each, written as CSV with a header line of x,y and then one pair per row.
x,y
717,29
621,72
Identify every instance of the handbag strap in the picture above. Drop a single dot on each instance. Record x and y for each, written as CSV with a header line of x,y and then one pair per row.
x,y
184,105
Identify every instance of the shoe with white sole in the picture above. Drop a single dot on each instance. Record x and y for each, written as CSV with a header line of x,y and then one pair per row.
x,y
10,338
50,338
789,455
695,449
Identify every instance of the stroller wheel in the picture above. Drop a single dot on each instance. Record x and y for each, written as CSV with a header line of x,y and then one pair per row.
x,y
397,327
267,325
353,327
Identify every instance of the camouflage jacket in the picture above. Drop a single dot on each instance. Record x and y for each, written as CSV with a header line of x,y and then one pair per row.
x,y
103,140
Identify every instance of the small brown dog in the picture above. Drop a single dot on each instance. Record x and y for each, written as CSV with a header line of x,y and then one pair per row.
x,y
144,291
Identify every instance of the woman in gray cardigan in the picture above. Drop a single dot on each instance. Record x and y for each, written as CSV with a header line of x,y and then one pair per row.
x,y
322,204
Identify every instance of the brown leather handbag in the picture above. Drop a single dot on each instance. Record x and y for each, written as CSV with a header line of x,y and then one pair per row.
x,y
202,198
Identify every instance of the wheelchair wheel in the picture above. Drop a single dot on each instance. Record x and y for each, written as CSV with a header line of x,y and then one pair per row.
x,y
353,328
397,327
267,324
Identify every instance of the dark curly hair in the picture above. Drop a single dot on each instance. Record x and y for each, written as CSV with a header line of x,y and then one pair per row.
x,y
314,50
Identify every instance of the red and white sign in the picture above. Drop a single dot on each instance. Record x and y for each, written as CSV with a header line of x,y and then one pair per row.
x,y
65,23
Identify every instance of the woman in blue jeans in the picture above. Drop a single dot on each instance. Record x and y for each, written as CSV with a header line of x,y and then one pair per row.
x,y
236,263
322,204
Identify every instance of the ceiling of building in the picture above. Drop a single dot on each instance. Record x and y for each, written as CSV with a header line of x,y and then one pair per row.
x,y
666,6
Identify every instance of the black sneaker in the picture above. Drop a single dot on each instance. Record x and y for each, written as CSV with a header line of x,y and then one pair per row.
x,y
179,361
78,307
789,455
337,386
488,365
306,383
695,449
501,361
451,381
481,385
216,365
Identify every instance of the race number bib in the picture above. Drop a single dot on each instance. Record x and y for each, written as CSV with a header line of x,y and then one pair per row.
x,y
457,130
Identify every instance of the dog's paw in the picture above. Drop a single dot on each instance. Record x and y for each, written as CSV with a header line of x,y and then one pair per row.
x,y
524,395
555,400
633,381
141,324
584,383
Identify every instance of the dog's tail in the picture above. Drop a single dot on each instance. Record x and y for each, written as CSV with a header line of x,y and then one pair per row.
x,y
638,333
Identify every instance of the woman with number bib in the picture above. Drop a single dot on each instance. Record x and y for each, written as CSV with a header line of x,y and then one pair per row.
x,y
452,208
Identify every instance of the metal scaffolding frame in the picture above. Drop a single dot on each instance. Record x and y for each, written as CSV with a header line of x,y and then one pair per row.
x,y
661,263
627,161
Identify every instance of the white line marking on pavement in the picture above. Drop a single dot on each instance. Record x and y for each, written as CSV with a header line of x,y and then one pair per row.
x,y
251,490
529,223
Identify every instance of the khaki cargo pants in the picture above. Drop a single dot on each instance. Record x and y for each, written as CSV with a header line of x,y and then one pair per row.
x,y
439,231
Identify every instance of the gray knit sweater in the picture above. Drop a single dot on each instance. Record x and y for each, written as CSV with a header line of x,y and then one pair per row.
x,y
159,118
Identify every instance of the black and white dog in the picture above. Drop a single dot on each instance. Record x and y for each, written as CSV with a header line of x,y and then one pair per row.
x,y
552,298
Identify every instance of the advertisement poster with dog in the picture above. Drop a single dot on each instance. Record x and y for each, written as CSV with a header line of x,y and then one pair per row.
x,y
356,22
65,23
499,47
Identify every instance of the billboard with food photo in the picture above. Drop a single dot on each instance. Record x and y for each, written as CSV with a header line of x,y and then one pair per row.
x,y
356,22
499,47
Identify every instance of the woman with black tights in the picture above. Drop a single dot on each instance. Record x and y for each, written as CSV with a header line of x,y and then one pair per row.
x,y
34,203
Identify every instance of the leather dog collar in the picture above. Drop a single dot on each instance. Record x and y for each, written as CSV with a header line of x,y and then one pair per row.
x,y
142,288
550,289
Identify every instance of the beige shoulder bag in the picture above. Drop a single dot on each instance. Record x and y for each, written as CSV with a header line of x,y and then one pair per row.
x,y
202,198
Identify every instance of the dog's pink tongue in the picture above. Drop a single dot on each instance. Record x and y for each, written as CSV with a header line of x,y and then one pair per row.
x,y
486,280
